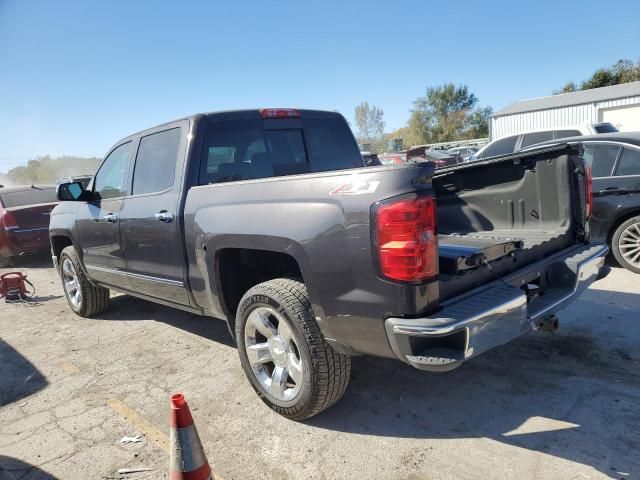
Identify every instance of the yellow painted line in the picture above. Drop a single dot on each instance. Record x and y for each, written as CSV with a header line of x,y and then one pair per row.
x,y
145,426
70,368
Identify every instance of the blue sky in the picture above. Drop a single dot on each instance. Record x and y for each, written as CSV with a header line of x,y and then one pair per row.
x,y
77,75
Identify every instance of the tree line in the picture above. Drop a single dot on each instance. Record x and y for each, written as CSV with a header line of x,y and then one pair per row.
x,y
446,113
46,170
449,113
623,71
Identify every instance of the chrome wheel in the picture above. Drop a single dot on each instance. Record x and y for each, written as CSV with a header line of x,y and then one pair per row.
x,y
629,244
273,353
71,283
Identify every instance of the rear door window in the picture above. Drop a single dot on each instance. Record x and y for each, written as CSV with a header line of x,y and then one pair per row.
x,y
536,137
629,163
156,162
247,149
601,158
567,133
501,147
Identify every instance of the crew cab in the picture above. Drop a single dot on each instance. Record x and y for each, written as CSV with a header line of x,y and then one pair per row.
x,y
269,220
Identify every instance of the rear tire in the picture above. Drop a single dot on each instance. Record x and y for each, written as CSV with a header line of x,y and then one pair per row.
x,y
5,262
278,338
625,244
84,298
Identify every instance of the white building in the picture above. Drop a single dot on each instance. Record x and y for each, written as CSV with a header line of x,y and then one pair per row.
x,y
618,104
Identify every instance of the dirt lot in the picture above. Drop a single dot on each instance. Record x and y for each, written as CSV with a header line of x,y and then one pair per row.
x,y
560,406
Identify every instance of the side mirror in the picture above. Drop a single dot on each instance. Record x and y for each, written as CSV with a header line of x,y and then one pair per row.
x,y
71,192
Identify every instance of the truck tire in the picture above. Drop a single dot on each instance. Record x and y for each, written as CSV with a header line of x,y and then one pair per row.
x,y
289,364
625,244
84,298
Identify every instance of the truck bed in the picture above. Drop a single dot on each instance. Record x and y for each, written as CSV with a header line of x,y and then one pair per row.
x,y
534,201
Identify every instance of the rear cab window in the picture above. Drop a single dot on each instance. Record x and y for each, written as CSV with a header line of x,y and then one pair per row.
x,y
252,148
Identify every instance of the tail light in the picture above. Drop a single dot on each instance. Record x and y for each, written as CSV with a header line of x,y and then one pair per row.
x,y
7,220
279,113
588,189
406,240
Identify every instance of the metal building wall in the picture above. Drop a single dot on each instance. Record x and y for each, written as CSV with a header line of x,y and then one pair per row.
x,y
505,125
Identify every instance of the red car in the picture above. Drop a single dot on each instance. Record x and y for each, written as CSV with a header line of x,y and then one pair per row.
x,y
392,158
24,220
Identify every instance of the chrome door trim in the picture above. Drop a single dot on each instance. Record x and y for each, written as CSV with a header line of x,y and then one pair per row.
x,y
166,281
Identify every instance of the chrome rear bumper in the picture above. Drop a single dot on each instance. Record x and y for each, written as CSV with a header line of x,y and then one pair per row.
x,y
494,314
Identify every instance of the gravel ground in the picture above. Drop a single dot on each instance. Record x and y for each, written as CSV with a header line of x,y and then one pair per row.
x,y
546,406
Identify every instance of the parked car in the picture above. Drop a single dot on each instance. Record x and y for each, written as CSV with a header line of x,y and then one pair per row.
x,y
440,158
371,159
269,220
393,158
515,143
24,220
464,152
615,166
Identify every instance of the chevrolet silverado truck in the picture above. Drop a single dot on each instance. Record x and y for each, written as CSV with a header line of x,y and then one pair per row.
x,y
270,220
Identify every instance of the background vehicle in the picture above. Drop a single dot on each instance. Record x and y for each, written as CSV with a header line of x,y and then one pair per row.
x,y
615,167
441,158
24,220
392,158
269,220
515,143
464,152
371,159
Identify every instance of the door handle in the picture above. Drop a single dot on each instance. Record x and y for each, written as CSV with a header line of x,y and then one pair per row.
x,y
612,191
164,216
111,217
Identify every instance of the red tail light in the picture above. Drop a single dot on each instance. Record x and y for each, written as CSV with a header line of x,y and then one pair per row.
x,y
7,220
406,239
279,113
588,189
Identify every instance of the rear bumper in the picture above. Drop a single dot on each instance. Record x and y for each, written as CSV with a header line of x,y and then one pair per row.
x,y
494,314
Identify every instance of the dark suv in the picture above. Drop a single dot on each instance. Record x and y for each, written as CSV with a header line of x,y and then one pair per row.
x,y
615,167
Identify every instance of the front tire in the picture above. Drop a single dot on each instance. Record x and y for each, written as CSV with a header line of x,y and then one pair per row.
x,y
289,364
84,298
625,244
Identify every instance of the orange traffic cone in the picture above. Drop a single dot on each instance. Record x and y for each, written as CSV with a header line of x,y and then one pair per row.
x,y
188,461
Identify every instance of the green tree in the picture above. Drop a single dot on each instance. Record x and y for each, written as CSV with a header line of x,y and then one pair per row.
x,y
447,113
623,71
369,122
568,88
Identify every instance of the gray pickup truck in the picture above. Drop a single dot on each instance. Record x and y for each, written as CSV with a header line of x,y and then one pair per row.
x,y
270,220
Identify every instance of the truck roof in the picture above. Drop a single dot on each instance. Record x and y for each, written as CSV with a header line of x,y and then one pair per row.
x,y
239,115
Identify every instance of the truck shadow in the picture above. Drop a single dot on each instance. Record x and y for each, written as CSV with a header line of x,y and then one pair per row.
x,y
125,307
573,394
19,378
14,469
